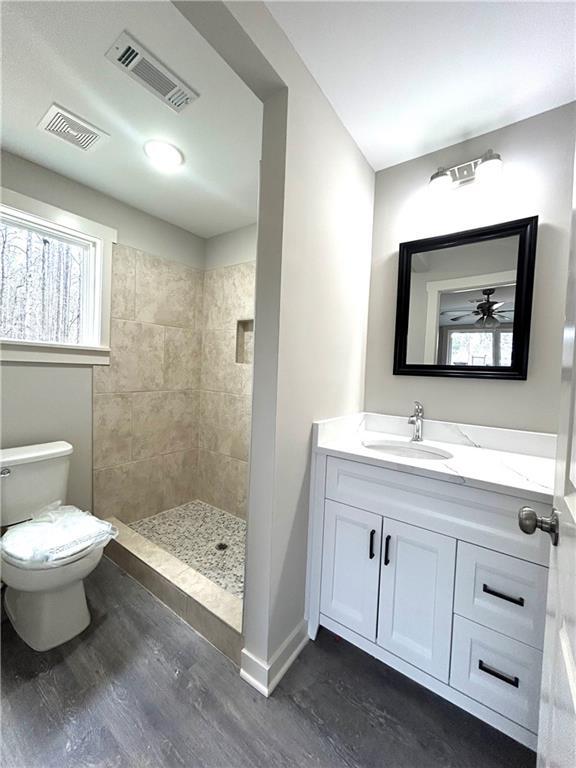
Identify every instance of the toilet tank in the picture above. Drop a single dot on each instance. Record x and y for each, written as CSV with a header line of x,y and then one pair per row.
x,y
31,477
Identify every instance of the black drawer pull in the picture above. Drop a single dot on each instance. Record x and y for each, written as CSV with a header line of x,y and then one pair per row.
x,y
387,550
516,600
371,553
500,675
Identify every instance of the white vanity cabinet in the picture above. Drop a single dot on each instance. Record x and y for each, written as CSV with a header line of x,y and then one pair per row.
x,y
435,579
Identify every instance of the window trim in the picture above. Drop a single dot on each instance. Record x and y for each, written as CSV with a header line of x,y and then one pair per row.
x,y
38,213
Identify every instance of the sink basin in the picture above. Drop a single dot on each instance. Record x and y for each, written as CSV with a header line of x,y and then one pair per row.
x,y
408,450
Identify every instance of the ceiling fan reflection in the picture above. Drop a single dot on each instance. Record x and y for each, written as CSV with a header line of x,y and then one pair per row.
x,y
487,311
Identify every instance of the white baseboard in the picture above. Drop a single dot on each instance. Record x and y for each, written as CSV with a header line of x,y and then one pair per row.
x,y
265,676
252,680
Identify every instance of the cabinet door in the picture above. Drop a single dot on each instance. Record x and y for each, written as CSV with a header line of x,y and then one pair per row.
x,y
416,595
350,567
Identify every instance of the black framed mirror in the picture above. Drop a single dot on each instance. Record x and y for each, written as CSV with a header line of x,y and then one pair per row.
x,y
465,302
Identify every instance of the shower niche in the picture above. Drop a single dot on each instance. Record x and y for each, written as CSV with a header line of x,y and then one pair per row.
x,y
245,342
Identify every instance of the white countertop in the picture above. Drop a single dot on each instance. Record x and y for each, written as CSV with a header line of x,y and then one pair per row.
x,y
501,460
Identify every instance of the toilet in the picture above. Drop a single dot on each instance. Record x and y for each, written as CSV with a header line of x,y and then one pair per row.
x,y
45,602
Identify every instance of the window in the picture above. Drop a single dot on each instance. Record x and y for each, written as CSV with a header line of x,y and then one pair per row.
x,y
45,285
54,284
480,347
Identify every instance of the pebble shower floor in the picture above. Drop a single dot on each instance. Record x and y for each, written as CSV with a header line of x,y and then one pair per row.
x,y
194,533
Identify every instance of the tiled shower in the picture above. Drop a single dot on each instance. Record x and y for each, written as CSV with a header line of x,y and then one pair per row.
x,y
172,413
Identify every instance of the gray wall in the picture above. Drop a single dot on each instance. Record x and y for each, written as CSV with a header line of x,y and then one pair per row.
x,y
312,282
236,247
135,228
42,403
537,179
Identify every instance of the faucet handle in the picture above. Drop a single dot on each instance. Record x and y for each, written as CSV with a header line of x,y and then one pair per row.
x,y
418,408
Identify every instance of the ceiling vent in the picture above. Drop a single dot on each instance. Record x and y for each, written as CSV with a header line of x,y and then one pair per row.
x,y
73,129
131,57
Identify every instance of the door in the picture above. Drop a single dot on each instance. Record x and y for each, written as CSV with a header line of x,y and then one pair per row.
x,y
351,567
416,591
557,727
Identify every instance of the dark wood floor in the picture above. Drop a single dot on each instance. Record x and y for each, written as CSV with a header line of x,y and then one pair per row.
x,y
140,689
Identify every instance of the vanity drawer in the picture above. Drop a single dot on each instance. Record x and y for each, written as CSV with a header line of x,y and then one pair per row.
x,y
501,592
497,671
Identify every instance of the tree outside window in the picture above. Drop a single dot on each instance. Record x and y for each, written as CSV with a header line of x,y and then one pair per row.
x,y
480,347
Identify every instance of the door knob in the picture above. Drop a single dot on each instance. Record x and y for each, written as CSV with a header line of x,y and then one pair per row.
x,y
528,521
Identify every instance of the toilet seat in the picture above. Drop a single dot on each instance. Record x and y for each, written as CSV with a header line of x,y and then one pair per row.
x,y
54,539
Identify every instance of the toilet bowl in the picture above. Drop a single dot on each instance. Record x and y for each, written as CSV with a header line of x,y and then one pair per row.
x,y
44,600
47,606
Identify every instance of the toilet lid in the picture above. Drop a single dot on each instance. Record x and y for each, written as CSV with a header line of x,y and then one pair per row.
x,y
36,565
54,538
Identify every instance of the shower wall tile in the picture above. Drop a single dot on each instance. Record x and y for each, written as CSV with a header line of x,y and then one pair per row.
x,y
146,401
123,282
167,293
112,430
222,482
220,371
130,491
224,424
172,410
225,398
136,359
229,296
164,422
249,347
180,477
182,358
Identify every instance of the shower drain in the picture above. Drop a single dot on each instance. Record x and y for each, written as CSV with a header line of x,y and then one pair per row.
x,y
221,545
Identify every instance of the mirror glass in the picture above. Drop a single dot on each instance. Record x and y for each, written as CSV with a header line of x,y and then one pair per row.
x,y
462,304
465,302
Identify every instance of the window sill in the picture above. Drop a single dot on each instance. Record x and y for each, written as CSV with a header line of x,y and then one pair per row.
x,y
56,354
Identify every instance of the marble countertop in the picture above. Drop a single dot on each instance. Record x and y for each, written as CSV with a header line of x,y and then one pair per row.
x,y
501,460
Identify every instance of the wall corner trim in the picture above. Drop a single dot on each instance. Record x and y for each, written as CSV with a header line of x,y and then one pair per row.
x,y
265,676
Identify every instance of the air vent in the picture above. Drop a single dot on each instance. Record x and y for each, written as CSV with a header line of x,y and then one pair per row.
x,y
127,54
73,129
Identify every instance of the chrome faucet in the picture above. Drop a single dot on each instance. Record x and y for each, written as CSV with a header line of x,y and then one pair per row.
x,y
417,419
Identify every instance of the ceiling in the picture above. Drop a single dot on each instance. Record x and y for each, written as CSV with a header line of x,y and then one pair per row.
x,y
408,78
54,52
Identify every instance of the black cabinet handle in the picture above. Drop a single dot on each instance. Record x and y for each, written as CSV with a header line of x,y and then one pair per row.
x,y
516,600
387,550
371,553
500,675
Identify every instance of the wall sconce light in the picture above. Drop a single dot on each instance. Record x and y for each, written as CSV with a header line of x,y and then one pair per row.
x,y
484,168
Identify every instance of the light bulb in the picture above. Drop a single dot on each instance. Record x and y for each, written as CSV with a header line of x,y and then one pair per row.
x,y
163,156
487,322
489,167
441,180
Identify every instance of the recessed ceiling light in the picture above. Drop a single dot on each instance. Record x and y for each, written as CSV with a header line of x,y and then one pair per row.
x,y
164,156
